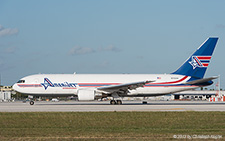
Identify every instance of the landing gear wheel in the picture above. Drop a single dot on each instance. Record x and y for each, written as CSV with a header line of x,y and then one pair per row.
x,y
144,102
31,102
113,102
119,102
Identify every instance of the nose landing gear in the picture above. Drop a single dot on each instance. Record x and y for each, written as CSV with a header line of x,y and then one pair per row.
x,y
31,102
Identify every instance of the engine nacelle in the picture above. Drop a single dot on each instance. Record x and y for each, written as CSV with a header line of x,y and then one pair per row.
x,y
86,94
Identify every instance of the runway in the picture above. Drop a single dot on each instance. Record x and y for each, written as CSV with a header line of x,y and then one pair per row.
x,y
99,106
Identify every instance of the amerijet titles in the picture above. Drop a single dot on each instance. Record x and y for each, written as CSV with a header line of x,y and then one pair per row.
x,y
47,83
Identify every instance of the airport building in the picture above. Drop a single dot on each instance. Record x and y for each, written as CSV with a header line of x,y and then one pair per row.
x,y
5,93
202,95
194,95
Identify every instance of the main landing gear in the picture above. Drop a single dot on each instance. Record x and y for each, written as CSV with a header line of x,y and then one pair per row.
x,y
115,102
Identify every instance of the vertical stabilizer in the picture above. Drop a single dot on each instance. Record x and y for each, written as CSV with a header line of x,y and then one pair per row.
x,y
196,65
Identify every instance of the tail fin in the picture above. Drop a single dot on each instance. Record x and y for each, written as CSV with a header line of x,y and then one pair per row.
x,y
196,65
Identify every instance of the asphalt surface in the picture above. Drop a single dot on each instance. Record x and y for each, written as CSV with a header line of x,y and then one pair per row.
x,y
98,106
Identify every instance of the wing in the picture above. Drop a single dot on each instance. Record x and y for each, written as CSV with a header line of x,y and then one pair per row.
x,y
123,88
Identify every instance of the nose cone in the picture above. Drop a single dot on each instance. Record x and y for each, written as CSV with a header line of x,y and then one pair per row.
x,y
15,87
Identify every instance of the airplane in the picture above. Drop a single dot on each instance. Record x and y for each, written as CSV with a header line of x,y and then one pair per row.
x,y
87,87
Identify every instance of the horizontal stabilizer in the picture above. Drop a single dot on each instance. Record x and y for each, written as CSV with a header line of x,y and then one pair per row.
x,y
199,81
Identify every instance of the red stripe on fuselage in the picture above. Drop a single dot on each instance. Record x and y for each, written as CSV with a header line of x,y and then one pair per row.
x,y
29,85
102,84
174,86
171,82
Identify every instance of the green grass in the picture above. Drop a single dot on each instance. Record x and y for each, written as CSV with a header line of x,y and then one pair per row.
x,y
109,125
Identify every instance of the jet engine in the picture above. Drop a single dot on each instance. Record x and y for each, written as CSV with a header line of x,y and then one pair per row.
x,y
85,94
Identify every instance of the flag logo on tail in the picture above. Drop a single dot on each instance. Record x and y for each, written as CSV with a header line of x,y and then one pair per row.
x,y
200,61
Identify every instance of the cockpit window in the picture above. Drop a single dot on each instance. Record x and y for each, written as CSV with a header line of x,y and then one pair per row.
x,y
21,81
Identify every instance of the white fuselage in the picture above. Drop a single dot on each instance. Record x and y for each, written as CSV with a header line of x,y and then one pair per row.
x,y
189,75
69,84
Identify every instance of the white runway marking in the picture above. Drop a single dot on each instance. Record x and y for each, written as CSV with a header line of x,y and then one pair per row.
x,y
75,106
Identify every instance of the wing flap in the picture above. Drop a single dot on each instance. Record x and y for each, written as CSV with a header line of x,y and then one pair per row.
x,y
124,87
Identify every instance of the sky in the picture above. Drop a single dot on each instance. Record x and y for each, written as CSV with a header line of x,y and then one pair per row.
x,y
104,36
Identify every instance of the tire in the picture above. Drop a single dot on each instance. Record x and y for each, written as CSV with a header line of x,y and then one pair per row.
x,y
119,102
31,102
144,102
113,102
